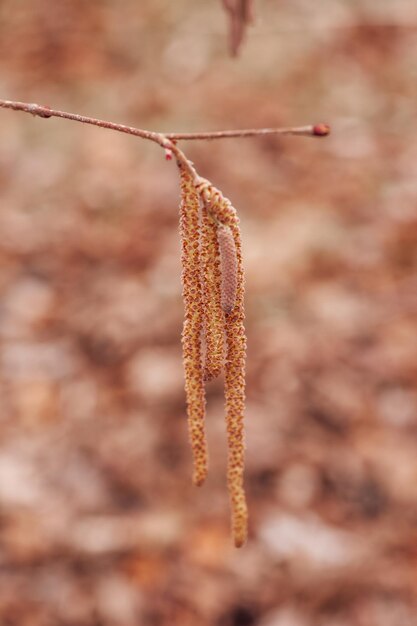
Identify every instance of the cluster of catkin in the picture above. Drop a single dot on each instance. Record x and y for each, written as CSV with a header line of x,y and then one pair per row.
x,y
213,336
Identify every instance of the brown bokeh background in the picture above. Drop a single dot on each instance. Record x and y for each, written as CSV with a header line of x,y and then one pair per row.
x,y
99,522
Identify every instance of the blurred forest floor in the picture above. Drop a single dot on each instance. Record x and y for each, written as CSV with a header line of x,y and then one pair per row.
x,y
99,522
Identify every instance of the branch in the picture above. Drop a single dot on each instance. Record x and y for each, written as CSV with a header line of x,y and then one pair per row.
x,y
44,111
201,259
165,140
312,130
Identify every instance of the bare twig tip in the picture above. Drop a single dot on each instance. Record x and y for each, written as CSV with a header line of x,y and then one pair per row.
x,y
321,130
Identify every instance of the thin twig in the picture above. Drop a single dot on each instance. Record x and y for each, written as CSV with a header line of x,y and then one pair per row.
x,y
44,111
165,139
312,130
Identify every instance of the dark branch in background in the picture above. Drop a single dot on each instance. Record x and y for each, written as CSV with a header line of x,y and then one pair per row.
x,y
240,16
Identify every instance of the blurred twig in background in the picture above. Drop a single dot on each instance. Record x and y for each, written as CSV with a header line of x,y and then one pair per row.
x,y
240,16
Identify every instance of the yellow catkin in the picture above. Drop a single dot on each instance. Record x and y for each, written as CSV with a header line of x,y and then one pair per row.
x,y
233,302
213,313
235,401
193,323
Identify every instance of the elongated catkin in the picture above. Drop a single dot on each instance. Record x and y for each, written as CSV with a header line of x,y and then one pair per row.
x,y
232,276
193,323
213,291
235,401
229,268
212,305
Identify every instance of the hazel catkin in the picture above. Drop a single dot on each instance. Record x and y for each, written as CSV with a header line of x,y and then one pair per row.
x,y
235,401
229,267
193,323
213,290
212,302
232,292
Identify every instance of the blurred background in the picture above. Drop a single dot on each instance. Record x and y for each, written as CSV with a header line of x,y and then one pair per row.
x,y
99,522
